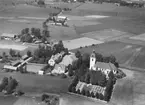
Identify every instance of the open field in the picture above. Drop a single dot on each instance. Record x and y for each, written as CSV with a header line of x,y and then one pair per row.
x,y
39,84
77,43
106,35
15,47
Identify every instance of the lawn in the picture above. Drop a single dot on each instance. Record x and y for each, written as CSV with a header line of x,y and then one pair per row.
x,y
35,83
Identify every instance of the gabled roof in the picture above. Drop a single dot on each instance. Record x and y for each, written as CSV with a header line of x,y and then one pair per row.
x,y
8,35
104,65
68,59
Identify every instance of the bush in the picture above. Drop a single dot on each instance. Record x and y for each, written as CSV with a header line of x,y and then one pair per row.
x,y
101,97
97,95
83,92
73,89
70,88
29,54
63,76
92,95
78,91
44,96
88,94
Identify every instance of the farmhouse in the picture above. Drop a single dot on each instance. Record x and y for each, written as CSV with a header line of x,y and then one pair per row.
x,y
101,66
14,66
56,58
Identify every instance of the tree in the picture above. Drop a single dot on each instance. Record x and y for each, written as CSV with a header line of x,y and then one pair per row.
x,y
46,33
41,2
106,59
44,39
112,59
12,84
4,83
4,57
73,89
116,64
75,81
101,97
29,54
78,54
12,52
32,30
70,70
28,38
86,59
87,78
99,57
82,70
70,88
109,89
97,95
18,54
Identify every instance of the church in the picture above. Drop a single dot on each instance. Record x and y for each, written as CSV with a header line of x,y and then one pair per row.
x,y
105,68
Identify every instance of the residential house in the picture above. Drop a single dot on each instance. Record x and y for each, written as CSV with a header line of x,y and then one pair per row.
x,y
56,58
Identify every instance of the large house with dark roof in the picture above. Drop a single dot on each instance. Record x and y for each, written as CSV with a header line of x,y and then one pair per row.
x,y
106,68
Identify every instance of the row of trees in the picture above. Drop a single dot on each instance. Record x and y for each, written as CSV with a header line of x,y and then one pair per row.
x,y
30,35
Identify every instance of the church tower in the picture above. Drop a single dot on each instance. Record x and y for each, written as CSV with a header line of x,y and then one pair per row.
x,y
92,59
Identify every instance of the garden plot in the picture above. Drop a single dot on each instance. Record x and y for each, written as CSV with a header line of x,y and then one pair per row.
x,y
14,47
139,37
80,42
106,35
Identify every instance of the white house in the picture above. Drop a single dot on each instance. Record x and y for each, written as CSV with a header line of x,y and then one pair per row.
x,y
54,58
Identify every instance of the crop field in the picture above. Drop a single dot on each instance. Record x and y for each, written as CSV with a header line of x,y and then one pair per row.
x,y
139,37
77,43
106,35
